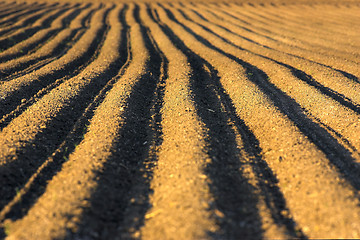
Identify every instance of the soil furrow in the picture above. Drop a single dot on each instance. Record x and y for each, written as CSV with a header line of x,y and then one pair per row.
x,y
36,41
56,113
29,18
35,187
338,63
36,184
237,18
290,139
134,144
8,17
293,25
114,123
332,15
75,31
301,39
324,22
209,95
16,34
328,22
349,168
187,120
6,7
244,27
348,70
222,142
181,197
334,121
82,53
51,50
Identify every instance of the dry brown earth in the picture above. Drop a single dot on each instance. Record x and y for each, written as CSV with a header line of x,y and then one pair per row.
x,y
181,120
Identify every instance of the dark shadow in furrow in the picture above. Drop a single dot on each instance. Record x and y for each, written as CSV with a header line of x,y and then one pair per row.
x,y
14,7
265,19
8,29
338,135
6,7
233,193
324,17
26,33
219,26
35,64
11,11
309,31
31,47
274,33
338,155
274,18
20,11
238,19
345,74
237,25
14,175
59,51
340,98
121,200
12,102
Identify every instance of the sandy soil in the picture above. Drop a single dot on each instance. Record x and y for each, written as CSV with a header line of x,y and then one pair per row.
x,y
182,120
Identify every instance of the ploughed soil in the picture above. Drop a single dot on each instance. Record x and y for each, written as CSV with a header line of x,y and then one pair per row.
x,y
179,120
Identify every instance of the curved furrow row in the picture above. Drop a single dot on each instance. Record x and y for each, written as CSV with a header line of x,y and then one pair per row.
x,y
334,18
179,120
22,147
292,34
18,11
10,35
289,168
113,122
8,9
8,6
314,28
43,22
329,15
338,32
181,195
311,35
351,11
350,8
46,54
235,206
15,22
54,48
243,25
238,17
34,42
56,113
83,52
307,97
346,69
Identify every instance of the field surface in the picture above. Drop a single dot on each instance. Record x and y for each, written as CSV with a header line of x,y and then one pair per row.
x,y
188,120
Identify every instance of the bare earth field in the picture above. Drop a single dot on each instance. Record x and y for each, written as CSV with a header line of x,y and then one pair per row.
x,y
181,120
